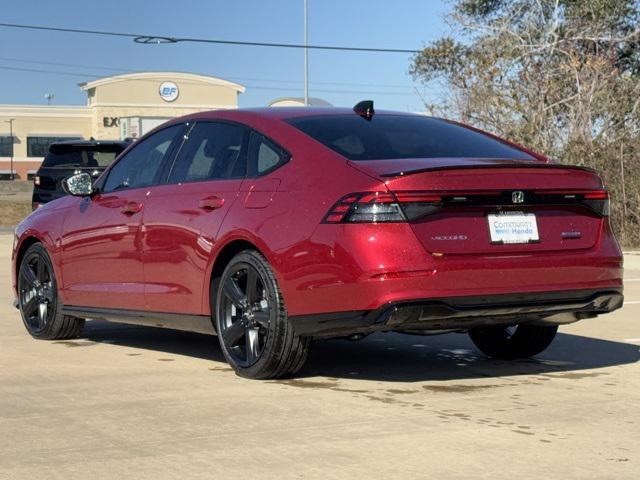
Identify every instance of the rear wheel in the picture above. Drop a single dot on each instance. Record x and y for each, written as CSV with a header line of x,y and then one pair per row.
x,y
252,323
38,298
518,341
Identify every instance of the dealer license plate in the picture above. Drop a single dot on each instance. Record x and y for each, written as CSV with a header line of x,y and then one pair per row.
x,y
513,227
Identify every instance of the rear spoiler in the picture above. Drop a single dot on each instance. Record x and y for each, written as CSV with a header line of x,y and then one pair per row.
x,y
473,167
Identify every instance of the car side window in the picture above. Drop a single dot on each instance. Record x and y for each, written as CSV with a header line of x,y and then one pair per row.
x,y
141,166
212,151
265,156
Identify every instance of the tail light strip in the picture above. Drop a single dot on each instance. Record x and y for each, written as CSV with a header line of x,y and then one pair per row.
x,y
402,206
587,194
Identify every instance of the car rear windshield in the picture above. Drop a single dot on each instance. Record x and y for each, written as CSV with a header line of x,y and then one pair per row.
x,y
402,136
80,157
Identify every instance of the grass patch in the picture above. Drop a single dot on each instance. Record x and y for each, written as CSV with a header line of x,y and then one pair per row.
x,y
12,212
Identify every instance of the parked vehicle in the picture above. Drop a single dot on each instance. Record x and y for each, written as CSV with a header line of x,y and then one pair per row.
x,y
69,158
275,226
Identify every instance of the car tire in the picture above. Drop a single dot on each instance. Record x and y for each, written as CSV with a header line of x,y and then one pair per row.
x,y
251,320
518,341
38,298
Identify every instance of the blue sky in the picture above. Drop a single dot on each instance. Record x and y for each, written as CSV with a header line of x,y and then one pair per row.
x,y
339,77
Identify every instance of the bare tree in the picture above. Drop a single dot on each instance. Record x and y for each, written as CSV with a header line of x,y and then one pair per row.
x,y
560,76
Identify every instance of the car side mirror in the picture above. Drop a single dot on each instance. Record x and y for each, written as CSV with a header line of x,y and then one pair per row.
x,y
78,185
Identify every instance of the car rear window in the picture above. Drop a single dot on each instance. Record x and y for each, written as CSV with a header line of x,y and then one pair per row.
x,y
387,137
80,158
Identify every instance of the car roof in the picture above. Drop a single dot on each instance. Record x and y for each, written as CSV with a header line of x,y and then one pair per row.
x,y
68,146
281,113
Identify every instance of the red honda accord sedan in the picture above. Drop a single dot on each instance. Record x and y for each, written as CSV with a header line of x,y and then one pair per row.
x,y
271,227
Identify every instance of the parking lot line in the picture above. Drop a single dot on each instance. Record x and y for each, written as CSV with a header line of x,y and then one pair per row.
x,y
632,302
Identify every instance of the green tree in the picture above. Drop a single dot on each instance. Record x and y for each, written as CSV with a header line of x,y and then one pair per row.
x,y
559,76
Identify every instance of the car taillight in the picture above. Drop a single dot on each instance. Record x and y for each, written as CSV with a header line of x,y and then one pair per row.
x,y
36,180
403,206
381,207
597,195
595,200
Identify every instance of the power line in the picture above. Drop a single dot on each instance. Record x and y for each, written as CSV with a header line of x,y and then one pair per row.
x,y
37,70
60,64
121,70
254,87
156,39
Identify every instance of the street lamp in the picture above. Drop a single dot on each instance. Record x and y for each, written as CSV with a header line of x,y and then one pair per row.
x,y
306,54
10,122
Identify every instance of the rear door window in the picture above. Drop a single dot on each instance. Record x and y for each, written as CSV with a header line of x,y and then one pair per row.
x,y
264,155
212,151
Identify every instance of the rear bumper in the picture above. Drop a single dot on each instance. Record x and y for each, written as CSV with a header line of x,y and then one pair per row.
x,y
436,315
365,267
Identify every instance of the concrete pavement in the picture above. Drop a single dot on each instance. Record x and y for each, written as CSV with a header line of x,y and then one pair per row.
x,y
133,402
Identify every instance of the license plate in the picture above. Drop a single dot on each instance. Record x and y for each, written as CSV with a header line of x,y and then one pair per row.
x,y
513,227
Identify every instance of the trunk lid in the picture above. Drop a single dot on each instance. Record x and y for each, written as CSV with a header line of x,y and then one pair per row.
x,y
472,192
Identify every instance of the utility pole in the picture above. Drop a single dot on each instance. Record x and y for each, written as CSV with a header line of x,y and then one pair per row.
x,y
10,122
306,54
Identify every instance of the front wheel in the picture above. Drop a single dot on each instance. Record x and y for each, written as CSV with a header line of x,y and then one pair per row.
x,y
38,298
517,341
251,319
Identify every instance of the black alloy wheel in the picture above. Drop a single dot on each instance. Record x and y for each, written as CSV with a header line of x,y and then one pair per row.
x,y
515,341
38,298
250,316
246,314
37,291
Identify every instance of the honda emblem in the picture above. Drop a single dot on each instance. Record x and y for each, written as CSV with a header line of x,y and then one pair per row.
x,y
517,196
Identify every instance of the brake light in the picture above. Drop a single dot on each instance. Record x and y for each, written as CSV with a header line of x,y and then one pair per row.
x,y
595,200
597,195
36,180
403,206
366,207
418,197
587,194
381,207
598,201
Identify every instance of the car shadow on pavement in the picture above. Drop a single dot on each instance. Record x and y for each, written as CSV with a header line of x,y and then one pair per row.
x,y
163,340
405,358
393,357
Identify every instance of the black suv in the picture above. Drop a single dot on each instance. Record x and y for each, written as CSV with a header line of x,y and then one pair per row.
x,y
68,158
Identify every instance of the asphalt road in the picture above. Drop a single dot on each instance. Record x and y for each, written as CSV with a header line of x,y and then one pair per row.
x,y
132,402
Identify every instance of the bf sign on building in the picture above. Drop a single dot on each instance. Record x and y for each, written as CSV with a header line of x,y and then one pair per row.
x,y
168,91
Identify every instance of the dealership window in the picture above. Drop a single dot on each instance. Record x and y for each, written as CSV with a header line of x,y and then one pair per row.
x,y
39,146
6,146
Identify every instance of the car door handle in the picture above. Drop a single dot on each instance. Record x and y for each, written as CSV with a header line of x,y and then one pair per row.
x,y
131,208
211,203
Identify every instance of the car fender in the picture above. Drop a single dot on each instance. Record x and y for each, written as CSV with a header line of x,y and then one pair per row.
x,y
45,226
223,241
